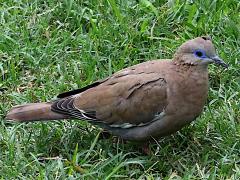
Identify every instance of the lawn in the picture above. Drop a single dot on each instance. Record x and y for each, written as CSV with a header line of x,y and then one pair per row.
x,y
48,47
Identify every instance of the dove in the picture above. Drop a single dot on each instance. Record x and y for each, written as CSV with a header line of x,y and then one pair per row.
x,y
148,100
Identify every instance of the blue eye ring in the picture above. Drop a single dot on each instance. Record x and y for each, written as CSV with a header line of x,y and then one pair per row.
x,y
200,53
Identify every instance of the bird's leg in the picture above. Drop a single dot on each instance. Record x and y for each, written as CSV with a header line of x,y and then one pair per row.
x,y
146,149
119,140
105,134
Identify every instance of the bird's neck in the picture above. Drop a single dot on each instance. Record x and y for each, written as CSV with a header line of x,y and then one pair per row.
x,y
181,60
193,74
192,69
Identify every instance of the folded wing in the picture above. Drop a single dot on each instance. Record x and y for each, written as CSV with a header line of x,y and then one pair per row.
x,y
127,99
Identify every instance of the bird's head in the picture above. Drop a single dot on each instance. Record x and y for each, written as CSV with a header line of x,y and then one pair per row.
x,y
198,51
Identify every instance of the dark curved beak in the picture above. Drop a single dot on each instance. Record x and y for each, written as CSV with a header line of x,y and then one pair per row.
x,y
217,60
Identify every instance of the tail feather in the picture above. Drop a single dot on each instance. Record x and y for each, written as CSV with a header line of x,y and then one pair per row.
x,y
34,112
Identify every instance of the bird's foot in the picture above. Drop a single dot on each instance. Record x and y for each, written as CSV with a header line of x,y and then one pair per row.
x,y
146,149
105,135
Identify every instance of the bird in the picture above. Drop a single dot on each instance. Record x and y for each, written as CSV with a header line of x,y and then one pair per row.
x,y
149,100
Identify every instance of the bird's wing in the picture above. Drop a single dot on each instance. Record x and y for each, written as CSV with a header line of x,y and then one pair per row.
x,y
129,98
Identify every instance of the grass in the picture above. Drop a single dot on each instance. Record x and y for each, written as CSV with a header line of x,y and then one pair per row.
x,y
48,47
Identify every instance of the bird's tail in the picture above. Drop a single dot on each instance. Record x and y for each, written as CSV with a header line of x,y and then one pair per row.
x,y
34,112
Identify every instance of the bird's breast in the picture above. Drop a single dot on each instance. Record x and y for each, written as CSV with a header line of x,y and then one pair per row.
x,y
187,94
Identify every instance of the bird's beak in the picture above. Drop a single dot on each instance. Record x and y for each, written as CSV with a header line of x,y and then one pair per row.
x,y
217,60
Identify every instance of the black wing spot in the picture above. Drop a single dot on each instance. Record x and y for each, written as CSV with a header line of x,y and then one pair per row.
x,y
206,38
133,89
76,91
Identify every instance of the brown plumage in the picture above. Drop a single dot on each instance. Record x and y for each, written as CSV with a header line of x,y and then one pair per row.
x,y
151,99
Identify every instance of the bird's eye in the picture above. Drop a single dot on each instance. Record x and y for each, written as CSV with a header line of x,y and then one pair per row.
x,y
200,54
